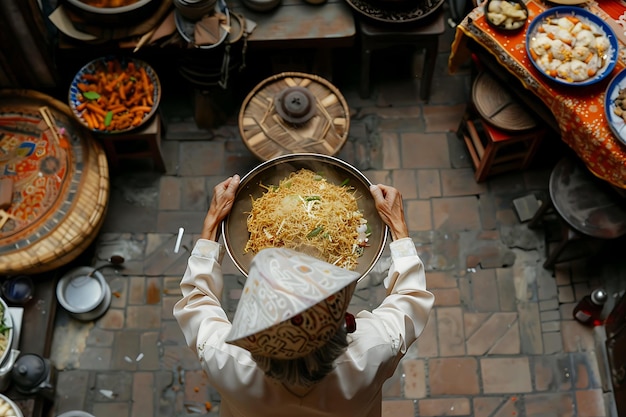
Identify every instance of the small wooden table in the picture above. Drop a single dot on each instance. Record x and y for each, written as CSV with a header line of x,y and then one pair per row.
x,y
579,115
419,35
297,24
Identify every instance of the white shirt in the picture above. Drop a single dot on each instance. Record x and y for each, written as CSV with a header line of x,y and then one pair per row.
x,y
353,388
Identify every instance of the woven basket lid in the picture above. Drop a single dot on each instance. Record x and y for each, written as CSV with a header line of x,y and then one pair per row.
x,y
497,107
60,183
317,123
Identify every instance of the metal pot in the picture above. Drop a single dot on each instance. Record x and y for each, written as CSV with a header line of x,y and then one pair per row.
x,y
9,355
335,170
122,15
34,375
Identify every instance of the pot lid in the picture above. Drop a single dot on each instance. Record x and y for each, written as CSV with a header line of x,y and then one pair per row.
x,y
29,371
294,112
295,104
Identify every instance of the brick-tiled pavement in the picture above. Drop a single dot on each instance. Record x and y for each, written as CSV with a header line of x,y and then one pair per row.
x,y
500,340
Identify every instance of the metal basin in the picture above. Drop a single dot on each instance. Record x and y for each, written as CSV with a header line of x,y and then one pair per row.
x,y
234,227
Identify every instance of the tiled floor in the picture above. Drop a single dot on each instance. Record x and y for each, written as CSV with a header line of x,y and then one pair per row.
x,y
500,340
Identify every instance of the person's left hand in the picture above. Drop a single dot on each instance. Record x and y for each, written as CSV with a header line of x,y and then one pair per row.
x,y
221,204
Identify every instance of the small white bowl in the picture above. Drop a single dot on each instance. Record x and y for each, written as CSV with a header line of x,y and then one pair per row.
x,y
84,297
16,409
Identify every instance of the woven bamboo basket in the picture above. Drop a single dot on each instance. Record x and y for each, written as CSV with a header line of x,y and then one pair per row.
x,y
268,133
498,107
60,181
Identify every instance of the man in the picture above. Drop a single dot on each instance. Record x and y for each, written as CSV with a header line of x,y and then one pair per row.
x,y
291,349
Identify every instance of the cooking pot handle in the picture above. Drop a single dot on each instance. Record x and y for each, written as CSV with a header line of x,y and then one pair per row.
x,y
10,361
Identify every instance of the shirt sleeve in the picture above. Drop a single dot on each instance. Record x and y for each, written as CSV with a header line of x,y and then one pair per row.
x,y
199,313
404,311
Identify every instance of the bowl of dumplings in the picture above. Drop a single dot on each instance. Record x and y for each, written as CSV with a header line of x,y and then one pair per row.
x,y
571,46
506,15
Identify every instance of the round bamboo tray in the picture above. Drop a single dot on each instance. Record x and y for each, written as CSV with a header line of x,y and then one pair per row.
x,y
60,180
497,107
268,135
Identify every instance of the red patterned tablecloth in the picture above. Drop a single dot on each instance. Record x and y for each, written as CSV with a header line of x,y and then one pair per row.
x,y
579,111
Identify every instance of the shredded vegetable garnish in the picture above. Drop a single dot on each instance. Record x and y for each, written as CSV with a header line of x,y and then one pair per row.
x,y
4,332
307,213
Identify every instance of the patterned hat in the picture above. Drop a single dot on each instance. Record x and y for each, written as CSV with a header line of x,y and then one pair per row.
x,y
291,305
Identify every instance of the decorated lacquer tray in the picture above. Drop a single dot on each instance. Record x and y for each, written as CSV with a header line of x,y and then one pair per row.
x,y
59,182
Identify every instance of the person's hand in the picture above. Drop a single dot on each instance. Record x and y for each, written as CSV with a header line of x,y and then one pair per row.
x,y
221,204
388,201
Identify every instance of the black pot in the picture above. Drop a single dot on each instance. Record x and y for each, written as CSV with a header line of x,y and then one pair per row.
x,y
34,375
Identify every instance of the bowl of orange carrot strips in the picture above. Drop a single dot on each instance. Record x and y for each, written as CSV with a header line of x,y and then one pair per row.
x,y
115,94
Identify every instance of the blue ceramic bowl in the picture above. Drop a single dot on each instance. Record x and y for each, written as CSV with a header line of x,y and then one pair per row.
x,y
609,57
103,64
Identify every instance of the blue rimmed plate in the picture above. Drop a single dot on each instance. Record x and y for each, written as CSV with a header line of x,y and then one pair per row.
x,y
111,67
574,74
616,121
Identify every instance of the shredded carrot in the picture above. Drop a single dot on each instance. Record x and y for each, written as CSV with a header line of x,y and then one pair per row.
x,y
118,109
96,109
90,122
144,109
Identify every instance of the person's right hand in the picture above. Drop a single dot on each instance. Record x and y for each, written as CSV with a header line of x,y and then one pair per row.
x,y
388,201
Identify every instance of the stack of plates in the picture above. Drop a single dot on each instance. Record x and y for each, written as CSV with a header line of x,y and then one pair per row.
x,y
194,9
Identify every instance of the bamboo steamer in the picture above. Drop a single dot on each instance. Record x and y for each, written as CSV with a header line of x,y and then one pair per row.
x,y
497,106
268,131
60,184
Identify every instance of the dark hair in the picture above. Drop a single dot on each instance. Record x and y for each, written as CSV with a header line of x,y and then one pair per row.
x,y
309,369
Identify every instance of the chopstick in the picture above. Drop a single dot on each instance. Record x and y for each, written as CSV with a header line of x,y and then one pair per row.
x,y
49,119
145,38
4,217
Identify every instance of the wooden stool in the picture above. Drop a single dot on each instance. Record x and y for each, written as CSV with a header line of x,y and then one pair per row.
x,y
499,134
422,36
141,144
589,211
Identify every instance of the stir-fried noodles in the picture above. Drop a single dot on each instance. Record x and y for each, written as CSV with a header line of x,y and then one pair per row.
x,y
307,213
